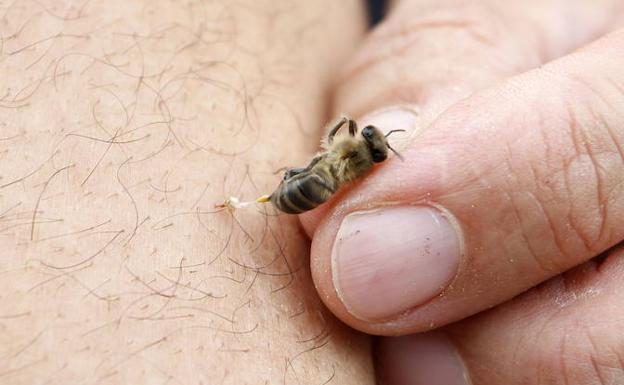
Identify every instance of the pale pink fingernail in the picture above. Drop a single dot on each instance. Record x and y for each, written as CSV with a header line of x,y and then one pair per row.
x,y
400,117
389,260
420,359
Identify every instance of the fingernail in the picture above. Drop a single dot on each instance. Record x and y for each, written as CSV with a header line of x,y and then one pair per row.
x,y
389,260
420,359
402,117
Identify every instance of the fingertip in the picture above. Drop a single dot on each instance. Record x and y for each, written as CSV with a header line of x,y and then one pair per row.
x,y
322,224
310,220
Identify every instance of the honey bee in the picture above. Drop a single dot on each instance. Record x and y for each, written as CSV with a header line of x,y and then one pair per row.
x,y
345,158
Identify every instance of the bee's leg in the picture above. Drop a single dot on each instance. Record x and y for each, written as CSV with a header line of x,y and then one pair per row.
x,y
293,171
298,170
352,127
281,169
313,162
334,130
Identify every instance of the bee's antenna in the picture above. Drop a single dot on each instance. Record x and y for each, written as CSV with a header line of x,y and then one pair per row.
x,y
392,149
391,131
396,153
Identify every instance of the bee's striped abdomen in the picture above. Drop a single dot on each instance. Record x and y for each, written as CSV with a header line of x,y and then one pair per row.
x,y
302,192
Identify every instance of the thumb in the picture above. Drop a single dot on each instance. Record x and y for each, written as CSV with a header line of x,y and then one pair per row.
x,y
477,212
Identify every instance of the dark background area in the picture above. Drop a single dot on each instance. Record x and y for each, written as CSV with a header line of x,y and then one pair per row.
x,y
376,10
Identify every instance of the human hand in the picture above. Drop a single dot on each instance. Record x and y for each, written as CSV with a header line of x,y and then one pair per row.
x,y
509,181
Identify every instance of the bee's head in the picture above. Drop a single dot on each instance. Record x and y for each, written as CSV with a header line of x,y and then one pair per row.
x,y
378,143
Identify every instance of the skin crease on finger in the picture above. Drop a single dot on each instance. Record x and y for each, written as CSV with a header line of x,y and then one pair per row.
x,y
566,331
462,154
122,123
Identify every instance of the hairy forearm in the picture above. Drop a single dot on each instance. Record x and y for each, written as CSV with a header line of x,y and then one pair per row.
x,y
122,124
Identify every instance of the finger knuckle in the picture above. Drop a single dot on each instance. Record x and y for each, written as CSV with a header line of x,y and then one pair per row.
x,y
436,44
474,20
562,194
594,173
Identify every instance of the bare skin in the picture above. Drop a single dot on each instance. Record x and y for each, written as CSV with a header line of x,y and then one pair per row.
x,y
122,124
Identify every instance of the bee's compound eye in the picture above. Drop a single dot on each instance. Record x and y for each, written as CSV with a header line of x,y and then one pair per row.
x,y
378,156
367,131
